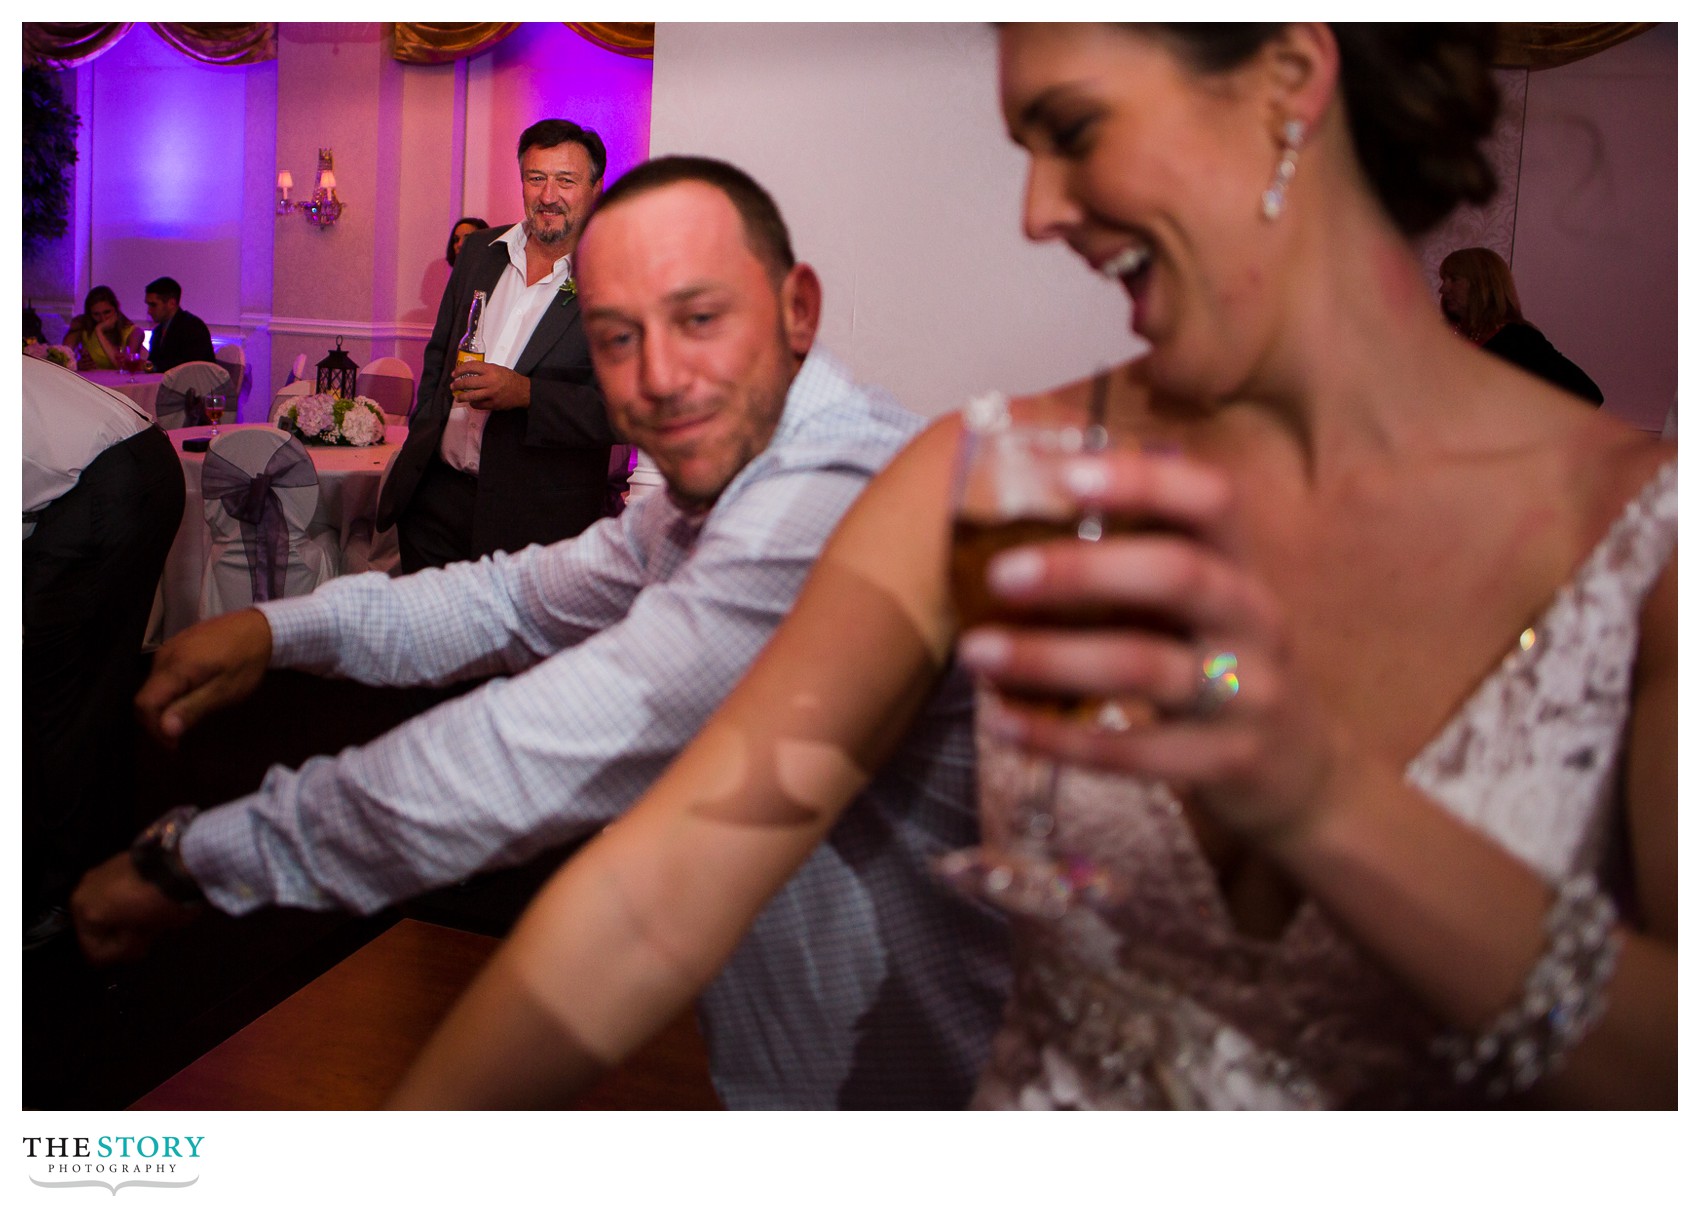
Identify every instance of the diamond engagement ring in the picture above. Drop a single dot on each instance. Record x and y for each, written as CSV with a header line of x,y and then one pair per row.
x,y
1218,682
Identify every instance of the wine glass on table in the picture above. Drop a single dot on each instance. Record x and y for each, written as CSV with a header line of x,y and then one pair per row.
x,y
1008,492
214,404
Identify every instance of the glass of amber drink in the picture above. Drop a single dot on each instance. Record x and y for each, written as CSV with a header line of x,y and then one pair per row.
x,y
1008,492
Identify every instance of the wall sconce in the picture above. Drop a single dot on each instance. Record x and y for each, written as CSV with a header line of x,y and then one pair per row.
x,y
324,207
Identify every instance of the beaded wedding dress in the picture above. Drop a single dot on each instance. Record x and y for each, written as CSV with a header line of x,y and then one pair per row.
x,y
1133,987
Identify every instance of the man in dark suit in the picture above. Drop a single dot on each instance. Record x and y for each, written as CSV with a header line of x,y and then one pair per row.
x,y
512,450
178,336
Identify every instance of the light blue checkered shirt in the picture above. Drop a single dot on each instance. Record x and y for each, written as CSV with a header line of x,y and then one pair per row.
x,y
864,983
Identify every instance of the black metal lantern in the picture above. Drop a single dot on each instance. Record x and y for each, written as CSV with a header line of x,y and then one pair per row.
x,y
336,373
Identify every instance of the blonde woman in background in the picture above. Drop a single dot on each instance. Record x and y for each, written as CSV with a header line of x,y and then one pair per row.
x,y
1479,298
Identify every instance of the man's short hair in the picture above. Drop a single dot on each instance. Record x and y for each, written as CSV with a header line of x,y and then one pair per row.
x,y
764,227
165,288
552,132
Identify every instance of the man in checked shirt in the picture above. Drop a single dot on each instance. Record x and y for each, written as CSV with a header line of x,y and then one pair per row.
x,y
865,983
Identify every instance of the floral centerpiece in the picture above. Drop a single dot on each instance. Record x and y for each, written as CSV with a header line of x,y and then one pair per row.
x,y
326,420
60,354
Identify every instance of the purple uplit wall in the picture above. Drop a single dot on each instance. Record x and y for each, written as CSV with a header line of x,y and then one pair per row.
x,y
544,70
179,158
166,186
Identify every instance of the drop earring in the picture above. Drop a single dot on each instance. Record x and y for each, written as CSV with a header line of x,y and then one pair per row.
x,y
1275,197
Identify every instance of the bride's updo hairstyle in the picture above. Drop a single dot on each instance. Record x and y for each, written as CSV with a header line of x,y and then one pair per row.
x,y
1419,98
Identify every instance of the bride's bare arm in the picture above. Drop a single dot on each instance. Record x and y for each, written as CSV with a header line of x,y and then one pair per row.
x,y
1461,920
625,934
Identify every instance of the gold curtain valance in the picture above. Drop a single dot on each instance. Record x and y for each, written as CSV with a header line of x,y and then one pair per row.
x,y
446,41
633,38
1541,44
61,44
223,44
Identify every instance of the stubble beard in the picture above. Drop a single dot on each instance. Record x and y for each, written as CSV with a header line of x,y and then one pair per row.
x,y
548,239
751,439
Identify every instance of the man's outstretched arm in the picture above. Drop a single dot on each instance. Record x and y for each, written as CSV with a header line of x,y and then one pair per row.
x,y
520,764
434,628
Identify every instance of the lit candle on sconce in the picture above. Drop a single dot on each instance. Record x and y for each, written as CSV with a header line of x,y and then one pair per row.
x,y
323,208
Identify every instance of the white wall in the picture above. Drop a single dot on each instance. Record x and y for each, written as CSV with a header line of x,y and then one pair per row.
x,y
1596,239
884,148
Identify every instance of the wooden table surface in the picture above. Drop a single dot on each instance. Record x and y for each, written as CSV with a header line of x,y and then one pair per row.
x,y
344,1041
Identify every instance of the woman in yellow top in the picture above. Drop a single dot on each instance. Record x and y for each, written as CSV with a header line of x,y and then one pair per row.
x,y
103,333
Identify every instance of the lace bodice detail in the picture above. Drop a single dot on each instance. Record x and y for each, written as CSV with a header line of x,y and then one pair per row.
x,y
1147,995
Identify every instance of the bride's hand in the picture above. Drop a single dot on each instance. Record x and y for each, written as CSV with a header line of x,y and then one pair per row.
x,y
1249,741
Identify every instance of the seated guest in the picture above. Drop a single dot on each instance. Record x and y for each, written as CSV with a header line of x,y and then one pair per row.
x,y
103,337
458,234
1479,298
866,984
103,495
33,332
178,336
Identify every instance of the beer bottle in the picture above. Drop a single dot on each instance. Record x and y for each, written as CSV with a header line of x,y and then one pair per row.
x,y
472,341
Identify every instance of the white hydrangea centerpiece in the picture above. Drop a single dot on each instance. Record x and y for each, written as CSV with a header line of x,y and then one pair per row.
x,y
61,355
327,420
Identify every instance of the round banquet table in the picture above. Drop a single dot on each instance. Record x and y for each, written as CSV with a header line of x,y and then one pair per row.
x,y
348,493
143,390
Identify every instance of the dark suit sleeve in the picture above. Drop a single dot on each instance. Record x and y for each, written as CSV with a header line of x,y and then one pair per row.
x,y
197,340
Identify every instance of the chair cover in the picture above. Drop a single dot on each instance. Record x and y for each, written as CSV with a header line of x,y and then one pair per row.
x,y
393,394
259,492
297,370
184,387
234,359
389,381
287,395
369,550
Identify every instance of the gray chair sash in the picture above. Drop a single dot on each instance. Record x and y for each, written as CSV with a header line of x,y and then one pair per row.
x,y
170,400
250,499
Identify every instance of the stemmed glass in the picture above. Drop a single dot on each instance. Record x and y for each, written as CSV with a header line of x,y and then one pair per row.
x,y
214,405
1009,492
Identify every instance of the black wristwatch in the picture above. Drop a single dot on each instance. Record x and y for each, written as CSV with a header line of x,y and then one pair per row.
x,y
157,854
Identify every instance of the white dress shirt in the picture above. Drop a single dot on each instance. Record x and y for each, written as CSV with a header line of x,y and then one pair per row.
x,y
510,314
68,423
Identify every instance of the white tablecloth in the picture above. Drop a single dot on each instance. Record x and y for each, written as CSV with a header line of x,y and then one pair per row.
x,y
142,389
348,493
